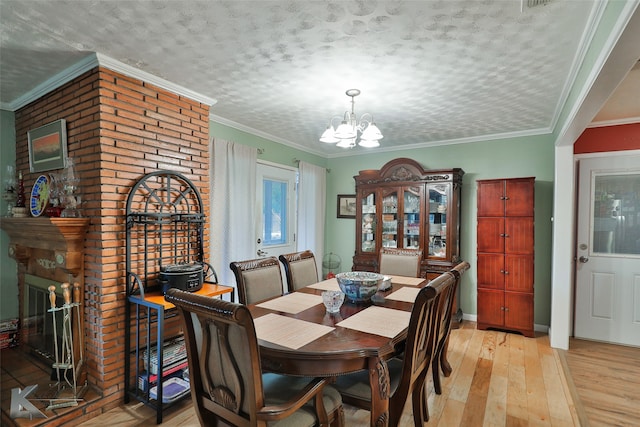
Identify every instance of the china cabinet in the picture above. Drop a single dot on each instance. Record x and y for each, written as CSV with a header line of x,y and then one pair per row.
x,y
403,205
505,254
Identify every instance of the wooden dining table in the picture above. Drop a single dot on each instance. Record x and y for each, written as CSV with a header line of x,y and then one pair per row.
x,y
297,336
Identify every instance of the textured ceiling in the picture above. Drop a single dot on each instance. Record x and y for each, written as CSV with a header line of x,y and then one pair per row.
x,y
430,72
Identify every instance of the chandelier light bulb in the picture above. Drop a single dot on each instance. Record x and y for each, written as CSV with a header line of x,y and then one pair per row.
x,y
369,143
372,133
345,131
329,136
346,143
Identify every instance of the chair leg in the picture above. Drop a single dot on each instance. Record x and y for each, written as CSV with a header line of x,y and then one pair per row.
x,y
419,403
444,363
437,387
435,368
338,421
338,417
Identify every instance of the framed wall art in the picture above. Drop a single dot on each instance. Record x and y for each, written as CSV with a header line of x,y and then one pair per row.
x,y
48,146
346,206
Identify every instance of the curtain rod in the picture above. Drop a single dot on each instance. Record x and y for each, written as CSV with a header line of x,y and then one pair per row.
x,y
297,162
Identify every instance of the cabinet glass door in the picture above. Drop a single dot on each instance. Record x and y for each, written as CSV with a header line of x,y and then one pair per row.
x,y
390,220
368,225
438,205
411,225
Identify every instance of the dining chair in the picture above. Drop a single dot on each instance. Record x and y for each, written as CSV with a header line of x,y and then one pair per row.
x,y
408,374
400,262
444,328
227,383
257,279
300,268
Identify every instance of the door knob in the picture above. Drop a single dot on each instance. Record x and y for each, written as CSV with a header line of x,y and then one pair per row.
x,y
262,253
583,259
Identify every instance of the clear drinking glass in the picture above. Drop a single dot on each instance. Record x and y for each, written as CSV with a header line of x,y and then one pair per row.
x,y
332,300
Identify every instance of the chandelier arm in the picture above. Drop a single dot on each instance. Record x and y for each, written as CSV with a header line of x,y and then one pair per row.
x,y
366,118
365,121
331,122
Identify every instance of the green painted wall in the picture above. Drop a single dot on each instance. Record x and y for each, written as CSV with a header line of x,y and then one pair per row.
x,y
271,151
507,158
8,267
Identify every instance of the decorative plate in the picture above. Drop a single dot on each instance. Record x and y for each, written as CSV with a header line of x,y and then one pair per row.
x,y
39,195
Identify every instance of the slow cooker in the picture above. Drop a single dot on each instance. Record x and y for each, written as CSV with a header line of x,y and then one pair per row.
x,y
186,277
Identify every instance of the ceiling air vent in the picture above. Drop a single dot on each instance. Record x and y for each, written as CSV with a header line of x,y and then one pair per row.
x,y
532,3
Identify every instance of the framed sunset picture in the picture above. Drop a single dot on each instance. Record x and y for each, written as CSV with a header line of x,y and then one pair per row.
x,y
48,146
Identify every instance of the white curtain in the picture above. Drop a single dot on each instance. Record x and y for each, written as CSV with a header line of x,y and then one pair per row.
x,y
232,210
312,197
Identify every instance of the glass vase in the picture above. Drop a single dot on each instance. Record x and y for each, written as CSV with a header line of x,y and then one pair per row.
x,y
70,200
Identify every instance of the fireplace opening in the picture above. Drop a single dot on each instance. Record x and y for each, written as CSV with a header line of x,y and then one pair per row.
x,y
38,328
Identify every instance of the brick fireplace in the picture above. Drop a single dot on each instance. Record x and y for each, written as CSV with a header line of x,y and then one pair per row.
x,y
54,257
119,128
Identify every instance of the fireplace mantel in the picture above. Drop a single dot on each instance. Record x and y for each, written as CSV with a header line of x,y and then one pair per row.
x,y
64,236
47,233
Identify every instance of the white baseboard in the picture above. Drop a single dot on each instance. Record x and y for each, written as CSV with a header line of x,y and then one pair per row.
x,y
536,327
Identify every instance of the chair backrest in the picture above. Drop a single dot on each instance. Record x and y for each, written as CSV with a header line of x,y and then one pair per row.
x,y
300,268
222,349
445,306
447,303
443,324
257,279
400,262
419,345
423,323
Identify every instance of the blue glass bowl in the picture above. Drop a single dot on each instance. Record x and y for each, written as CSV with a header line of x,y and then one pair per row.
x,y
359,286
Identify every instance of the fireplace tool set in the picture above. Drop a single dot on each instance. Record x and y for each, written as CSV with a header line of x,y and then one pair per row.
x,y
65,357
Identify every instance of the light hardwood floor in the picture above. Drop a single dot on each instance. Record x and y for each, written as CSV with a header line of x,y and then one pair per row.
x,y
498,379
606,379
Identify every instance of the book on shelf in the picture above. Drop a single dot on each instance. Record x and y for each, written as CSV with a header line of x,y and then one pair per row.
x,y
173,350
146,378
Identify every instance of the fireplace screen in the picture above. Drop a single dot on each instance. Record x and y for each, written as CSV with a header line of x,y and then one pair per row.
x,y
38,323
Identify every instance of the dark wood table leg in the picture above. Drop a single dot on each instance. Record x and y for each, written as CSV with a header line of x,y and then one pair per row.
x,y
380,391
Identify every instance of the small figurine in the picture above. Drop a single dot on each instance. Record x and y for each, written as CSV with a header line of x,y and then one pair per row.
x,y
368,223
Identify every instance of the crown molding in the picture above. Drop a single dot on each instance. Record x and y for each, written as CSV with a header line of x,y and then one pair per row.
x,y
595,17
359,152
601,154
94,60
114,65
259,133
616,48
616,122
468,140
54,82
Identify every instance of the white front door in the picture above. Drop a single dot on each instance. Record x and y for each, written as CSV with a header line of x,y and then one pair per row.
x,y
608,252
276,204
